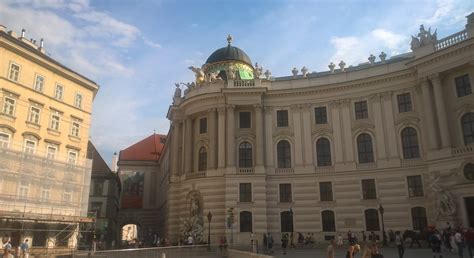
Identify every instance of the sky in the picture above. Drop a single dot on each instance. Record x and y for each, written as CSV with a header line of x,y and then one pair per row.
x,y
137,49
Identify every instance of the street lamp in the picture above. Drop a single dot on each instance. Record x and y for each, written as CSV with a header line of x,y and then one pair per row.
x,y
381,210
291,214
209,218
230,224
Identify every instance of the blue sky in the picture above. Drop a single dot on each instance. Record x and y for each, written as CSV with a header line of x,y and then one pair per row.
x,y
137,50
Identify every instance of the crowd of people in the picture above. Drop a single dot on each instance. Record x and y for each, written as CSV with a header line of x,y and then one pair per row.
x,y
10,251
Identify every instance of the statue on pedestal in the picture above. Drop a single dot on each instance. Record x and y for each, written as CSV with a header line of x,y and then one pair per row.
x,y
193,226
445,204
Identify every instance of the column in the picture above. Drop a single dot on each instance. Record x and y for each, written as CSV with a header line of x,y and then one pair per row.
x,y
269,136
379,129
336,127
175,147
428,115
307,140
259,135
391,134
297,147
441,111
230,136
188,146
212,137
346,123
220,137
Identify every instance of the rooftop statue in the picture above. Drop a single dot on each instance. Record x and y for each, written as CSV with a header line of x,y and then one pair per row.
x,y
257,72
304,71
177,94
268,74
371,59
198,73
331,67
423,38
294,72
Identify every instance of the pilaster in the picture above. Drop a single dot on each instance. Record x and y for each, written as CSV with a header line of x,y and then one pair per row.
x,y
269,137
212,114
428,115
259,135
441,111
298,155
221,137
230,136
188,146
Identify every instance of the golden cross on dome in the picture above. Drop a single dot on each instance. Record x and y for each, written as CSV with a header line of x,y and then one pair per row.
x,y
229,39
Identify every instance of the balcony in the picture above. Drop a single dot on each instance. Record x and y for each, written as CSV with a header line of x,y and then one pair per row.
x,y
325,169
451,40
370,165
281,171
244,83
199,174
462,150
411,162
246,171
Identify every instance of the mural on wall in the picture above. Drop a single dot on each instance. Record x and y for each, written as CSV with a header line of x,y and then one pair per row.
x,y
132,191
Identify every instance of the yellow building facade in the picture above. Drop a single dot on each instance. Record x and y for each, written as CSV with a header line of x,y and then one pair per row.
x,y
45,117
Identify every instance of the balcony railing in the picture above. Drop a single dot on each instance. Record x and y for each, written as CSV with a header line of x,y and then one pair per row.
x,y
451,40
462,150
244,83
284,171
370,165
246,171
196,175
324,169
411,162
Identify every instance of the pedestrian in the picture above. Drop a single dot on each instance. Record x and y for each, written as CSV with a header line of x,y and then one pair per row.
x,y
447,240
25,249
435,241
349,237
399,244
352,250
373,237
364,237
469,238
270,243
265,244
222,244
284,242
340,240
459,239
7,249
330,250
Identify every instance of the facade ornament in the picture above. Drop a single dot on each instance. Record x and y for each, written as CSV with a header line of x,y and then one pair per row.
x,y
331,67
213,77
230,73
177,94
198,73
189,86
423,38
267,74
445,204
257,72
342,65
268,110
294,71
304,71
383,56
371,59
229,39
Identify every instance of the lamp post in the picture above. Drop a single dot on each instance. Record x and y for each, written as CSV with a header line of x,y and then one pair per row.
x,y
209,218
381,210
230,224
291,214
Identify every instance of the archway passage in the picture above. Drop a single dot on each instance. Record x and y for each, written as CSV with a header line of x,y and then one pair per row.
x,y
470,210
130,234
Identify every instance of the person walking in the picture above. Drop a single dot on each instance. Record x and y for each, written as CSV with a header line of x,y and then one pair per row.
x,y
469,238
435,241
340,241
352,250
270,243
330,250
265,244
399,244
284,242
459,240
25,249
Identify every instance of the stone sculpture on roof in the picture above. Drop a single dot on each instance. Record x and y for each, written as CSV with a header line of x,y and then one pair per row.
x,y
423,38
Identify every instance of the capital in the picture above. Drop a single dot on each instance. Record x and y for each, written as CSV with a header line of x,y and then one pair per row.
x,y
435,78
345,102
268,110
387,95
257,107
212,110
230,107
221,110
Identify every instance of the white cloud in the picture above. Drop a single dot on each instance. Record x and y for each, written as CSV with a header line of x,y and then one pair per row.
x,y
151,43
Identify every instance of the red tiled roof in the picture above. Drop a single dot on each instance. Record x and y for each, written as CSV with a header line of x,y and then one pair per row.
x,y
148,149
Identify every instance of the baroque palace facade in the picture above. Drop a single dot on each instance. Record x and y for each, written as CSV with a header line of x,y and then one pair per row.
x,y
321,152
45,116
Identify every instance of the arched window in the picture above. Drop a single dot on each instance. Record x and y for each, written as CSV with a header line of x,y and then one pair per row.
x,y
284,154
418,217
467,122
329,223
372,220
410,143
245,155
323,152
246,221
202,166
364,148
286,219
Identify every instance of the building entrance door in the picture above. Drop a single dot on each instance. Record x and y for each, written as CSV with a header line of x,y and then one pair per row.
x,y
470,210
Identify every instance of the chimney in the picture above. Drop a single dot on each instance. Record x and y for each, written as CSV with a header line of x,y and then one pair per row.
x,y
41,43
41,48
23,33
114,162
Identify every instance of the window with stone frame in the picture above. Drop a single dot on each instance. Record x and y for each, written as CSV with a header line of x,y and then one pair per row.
x,y
23,189
245,155
284,154
285,193
467,123
39,83
245,221
328,221
320,115
372,222
364,148
286,221
282,118
410,147
30,145
245,120
59,92
78,100
325,191
245,192
75,128
34,116
404,102
54,121
202,160
72,157
361,110
463,85
4,138
67,195
14,73
419,219
415,186
203,125
368,189
9,106
323,152
45,193
98,188
51,151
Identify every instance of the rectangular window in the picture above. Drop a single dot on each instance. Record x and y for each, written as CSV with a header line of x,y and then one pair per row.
x,y
244,119
285,193
368,189
404,102
39,82
59,92
203,125
415,186
34,115
14,72
72,157
67,195
96,208
23,189
45,193
361,110
30,147
98,188
51,151
320,115
325,191
75,128
282,118
9,106
245,190
78,100
463,85
54,124
4,140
